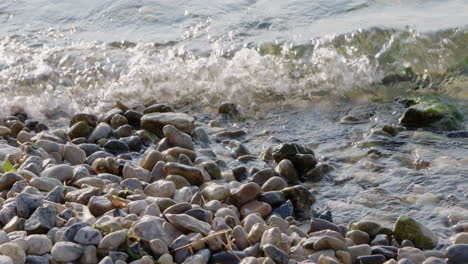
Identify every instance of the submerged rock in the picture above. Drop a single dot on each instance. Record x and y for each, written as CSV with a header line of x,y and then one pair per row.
x,y
432,113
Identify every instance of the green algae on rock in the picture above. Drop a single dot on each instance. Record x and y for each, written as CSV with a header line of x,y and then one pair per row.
x,y
406,228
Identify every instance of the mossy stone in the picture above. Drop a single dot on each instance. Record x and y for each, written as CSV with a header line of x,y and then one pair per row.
x,y
406,228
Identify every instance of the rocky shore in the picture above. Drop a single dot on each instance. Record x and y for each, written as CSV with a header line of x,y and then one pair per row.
x,y
146,186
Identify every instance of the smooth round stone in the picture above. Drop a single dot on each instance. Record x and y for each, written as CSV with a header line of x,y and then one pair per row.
x,y
246,193
457,254
177,137
66,251
8,179
103,130
179,181
262,176
80,129
287,170
408,228
132,170
116,147
123,131
216,192
150,159
360,250
317,224
118,121
278,255
161,189
274,184
90,120
240,236
73,154
200,214
99,205
38,244
193,175
6,260
275,198
178,208
380,239
271,236
61,172
460,238
14,251
262,208
88,236
359,237
328,242
4,131
157,108
158,247
212,169
113,240
27,203
411,253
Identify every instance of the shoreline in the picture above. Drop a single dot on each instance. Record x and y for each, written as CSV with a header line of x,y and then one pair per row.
x,y
156,184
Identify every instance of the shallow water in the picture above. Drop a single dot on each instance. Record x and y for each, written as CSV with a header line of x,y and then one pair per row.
x,y
330,57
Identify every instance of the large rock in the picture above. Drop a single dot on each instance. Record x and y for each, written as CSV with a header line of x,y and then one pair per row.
x,y
432,113
61,172
155,122
407,228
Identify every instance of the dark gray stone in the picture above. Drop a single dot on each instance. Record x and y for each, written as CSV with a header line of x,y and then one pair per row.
x,y
225,257
31,259
116,147
70,232
278,255
273,198
27,203
42,220
457,254
182,254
